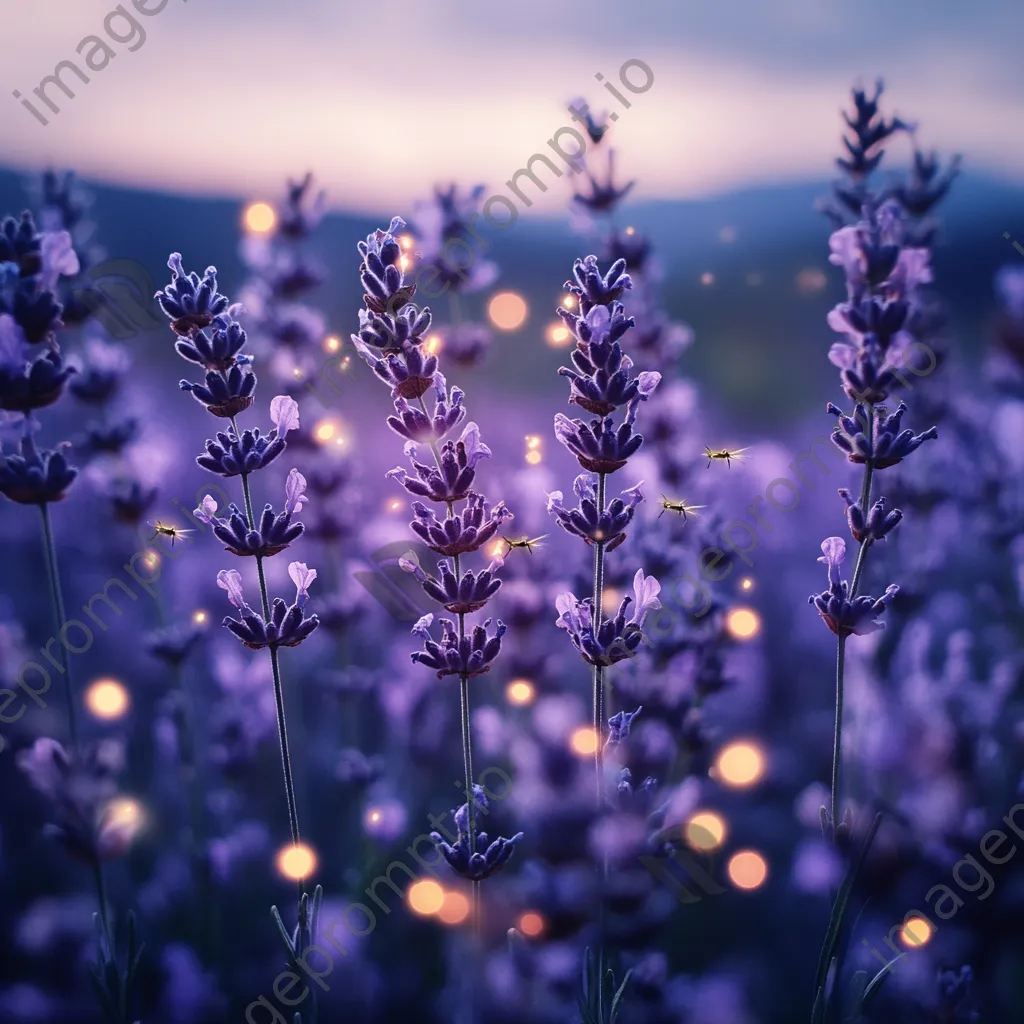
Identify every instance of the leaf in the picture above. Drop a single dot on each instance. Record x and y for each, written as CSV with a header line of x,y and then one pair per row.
x,y
287,939
876,983
839,907
614,1012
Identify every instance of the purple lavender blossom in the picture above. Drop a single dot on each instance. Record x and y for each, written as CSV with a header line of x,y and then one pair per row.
x,y
459,595
467,860
467,530
469,655
844,614
889,445
287,625
616,639
586,521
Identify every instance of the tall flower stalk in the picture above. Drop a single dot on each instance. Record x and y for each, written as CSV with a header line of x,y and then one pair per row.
x,y
392,332
601,383
209,335
885,269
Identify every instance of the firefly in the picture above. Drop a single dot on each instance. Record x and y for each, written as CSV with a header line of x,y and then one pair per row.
x,y
164,530
679,507
527,543
725,454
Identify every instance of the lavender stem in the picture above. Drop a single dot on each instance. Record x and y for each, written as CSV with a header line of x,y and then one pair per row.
x,y
57,604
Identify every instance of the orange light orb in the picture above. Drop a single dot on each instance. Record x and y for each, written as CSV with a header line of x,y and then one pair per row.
x,y
107,699
916,932
520,692
747,870
742,623
425,898
583,741
455,908
530,923
705,831
740,764
507,311
296,861
260,218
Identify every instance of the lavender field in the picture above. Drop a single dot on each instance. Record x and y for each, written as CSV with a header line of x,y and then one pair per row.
x,y
499,530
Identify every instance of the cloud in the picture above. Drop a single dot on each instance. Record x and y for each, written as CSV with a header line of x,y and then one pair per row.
x,y
383,100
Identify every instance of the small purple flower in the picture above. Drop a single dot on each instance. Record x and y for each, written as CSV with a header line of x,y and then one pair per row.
x,y
844,615
604,195
219,350
173,644
458,468
381,274
58,257
881,520
600,446
594,288
891,445
409,374
30,384
466,531
619,726
104,368
470,656
230,455
587,522
271,535
33,477
414,424
287,627
617,639
224,394
391,332
489,857
458,596
79,789
190,303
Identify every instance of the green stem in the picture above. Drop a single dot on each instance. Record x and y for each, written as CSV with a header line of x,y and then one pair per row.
x,y
101,897
57,604
282,724
837,749
599,730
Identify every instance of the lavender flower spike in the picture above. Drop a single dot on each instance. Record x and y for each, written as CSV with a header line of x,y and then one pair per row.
x,y
469,656
287,626
461,858
844,615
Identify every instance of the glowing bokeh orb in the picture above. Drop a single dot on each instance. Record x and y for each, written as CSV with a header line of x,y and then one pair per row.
x,y
530,923
107,698
260,218
746,584
520,691
533,458
558,335
433,345
297,861
152,559
455,908
199,616
916,931
742,623
425,897
569,302
406,241
705,831
811,280
747,870
325,430
740,764
707,278
507,311
583,741
332,343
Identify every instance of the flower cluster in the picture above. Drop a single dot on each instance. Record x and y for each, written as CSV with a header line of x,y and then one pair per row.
x,y
210,336
483,860
79,788
841,611
31,264
391,339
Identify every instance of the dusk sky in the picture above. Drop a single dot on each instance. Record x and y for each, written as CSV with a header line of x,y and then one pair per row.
x,y
229,97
